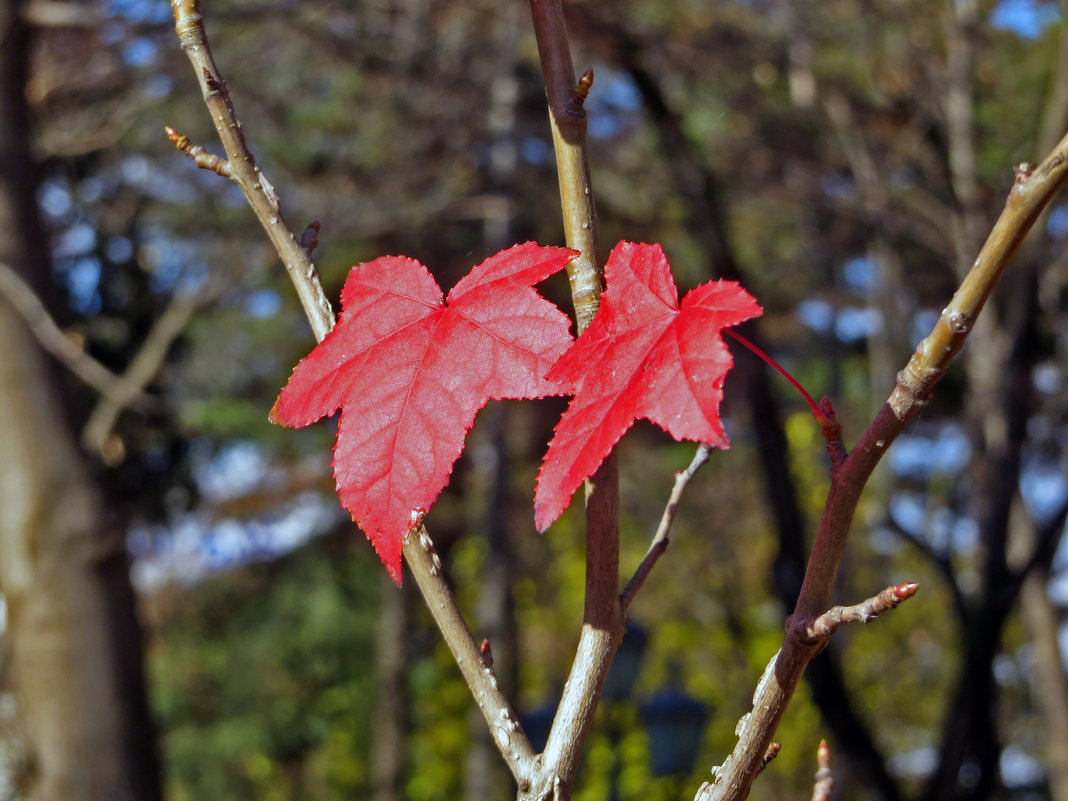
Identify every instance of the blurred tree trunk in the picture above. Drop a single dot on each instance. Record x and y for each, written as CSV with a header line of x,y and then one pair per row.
x,y
388,744
66,605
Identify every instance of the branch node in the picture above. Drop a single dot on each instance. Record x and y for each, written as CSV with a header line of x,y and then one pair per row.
x,y
824,778
820,629
215,85
769,756
486,652
200,156
832,432
309,240
581,92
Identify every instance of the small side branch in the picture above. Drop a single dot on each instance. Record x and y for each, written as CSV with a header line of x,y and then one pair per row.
x,y
1030,194
821,628
240,166
142,368
477,669
661,538
201,157
71,353
769,755
821,791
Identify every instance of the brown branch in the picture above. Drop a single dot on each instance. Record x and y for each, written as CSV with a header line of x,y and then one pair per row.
x,y
143,367
603,623
118,389
769,755
418,550
821,791
1032,191
567,120
242,168
661,538
821,628
200,156
477,671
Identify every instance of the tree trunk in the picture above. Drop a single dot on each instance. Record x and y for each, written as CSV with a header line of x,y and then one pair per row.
x,y
61,664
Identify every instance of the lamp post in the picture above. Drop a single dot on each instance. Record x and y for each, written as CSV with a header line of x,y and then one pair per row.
x,y
675,723
627,663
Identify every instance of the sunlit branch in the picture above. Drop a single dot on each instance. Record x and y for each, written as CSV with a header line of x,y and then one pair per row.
x,y
1033,189
661,538
477,669
241,167
822,627
418,550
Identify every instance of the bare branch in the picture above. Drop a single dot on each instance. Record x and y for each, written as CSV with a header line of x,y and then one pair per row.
x,y
72,353
142,368
660,539
602,623
824,778
242,167
822,627
478,672
201,157
1031,192
419,552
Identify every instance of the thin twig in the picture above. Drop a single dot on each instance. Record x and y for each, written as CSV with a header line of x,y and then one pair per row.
x,y
1031,192
242,169
418,550
821,791
822,627
142,368
51,337
661,538
478,672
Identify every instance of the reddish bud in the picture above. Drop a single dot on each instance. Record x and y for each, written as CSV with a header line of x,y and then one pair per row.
x,y
487,653
906,591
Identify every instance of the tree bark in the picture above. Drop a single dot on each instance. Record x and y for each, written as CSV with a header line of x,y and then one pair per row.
x,y
55,557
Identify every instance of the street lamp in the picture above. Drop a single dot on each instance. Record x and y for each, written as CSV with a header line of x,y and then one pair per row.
x,y
675,722
627,663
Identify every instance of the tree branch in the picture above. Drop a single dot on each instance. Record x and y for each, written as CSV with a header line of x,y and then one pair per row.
x,y
419,553
822,627
242,167
660,539
117,389
478,671
1031,192
141,369
603,622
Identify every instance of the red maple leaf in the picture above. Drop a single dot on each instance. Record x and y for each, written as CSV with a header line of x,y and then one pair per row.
x,y
409,374
642,357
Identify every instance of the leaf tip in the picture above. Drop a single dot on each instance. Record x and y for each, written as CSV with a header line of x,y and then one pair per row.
x,y
275,415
